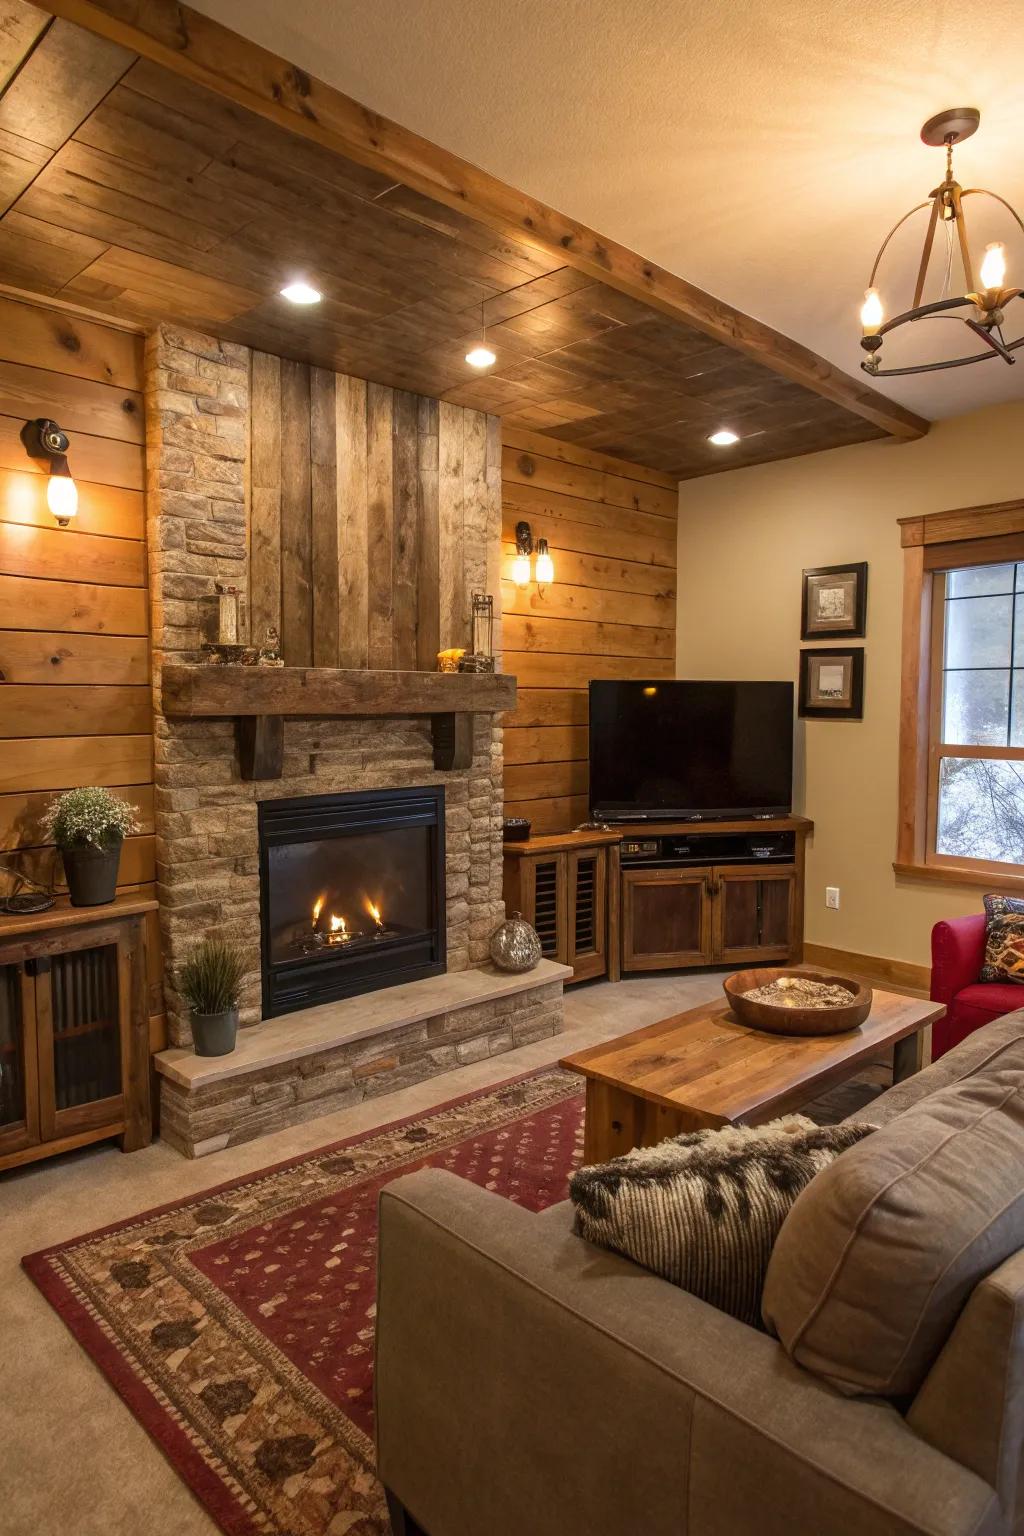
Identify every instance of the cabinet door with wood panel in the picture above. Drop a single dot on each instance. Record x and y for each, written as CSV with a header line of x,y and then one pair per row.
x,y
586,924
754,913
666,918
19,1099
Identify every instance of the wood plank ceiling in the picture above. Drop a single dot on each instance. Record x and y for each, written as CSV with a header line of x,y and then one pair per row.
x,y
130,191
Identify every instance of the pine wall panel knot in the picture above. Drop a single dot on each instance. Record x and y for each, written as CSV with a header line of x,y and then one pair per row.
x,y
359,520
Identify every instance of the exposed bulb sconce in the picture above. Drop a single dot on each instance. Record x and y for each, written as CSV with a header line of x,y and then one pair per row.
x,y
545,569
43,439
524,549
545,564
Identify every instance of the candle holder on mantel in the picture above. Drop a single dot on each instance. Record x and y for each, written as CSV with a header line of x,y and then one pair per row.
x,y
481,658
228,648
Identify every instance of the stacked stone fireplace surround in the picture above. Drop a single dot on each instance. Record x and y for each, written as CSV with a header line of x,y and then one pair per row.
x,y
197,399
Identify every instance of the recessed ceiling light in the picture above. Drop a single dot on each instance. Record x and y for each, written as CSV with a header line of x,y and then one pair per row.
x,y
480,357
724,438
301,293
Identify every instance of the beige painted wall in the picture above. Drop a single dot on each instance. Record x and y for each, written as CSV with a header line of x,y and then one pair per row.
x,y
744,538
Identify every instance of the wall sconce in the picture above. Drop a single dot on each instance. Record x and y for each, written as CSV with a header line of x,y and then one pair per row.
x,y
545,569
524,549
43,439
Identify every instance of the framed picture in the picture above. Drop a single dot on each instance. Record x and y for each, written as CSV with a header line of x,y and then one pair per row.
x,y
832,684
835,602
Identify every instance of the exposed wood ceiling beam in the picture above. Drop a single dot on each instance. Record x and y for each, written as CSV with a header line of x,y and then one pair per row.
x,y
192,45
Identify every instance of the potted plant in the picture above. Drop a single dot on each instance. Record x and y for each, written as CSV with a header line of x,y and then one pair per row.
x,y
89,825
210,981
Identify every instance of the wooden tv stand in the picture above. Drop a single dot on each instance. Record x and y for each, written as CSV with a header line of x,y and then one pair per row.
x,y
607,913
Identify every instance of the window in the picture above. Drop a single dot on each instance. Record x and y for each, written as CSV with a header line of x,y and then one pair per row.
x,y
977,769
961,787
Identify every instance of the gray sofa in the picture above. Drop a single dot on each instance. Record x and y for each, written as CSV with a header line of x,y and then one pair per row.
x,y
529,1384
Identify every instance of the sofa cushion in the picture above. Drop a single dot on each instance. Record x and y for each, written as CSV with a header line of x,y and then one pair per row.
x,y
878,1257
1004,940
989,998
703,1210
983,1046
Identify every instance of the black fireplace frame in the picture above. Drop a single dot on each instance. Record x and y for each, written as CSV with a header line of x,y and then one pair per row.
x,y
306,983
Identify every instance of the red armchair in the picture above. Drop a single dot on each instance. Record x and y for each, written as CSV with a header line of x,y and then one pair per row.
x,y
958,952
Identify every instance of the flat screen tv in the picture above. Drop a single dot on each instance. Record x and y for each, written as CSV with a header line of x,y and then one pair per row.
x,y
690,750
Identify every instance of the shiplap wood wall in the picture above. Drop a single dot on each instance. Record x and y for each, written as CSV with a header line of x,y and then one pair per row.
x,y
610,612
366,505
75,700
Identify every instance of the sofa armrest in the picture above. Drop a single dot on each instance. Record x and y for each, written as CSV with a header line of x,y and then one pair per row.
x,y
958,953
527,1381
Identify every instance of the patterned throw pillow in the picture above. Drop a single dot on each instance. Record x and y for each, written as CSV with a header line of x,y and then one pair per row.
x,y
704,1210
1004,939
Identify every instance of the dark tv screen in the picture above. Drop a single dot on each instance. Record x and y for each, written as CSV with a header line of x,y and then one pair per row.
x,y
688,749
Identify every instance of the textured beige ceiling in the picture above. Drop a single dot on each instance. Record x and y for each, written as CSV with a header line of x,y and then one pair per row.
x,y
760,150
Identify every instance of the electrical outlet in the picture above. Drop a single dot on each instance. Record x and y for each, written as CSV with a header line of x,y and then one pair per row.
x,y
832,897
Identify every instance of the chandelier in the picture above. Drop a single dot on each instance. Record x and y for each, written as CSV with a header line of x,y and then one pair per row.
x,y
982,303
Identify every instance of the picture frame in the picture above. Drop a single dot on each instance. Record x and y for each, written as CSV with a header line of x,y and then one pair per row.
x,y
832,683
834,602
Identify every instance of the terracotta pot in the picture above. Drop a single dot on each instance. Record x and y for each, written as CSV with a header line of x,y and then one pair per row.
x,y
214,1034
91,872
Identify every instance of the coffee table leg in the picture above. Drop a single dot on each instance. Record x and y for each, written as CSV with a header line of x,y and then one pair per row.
x,y
908,1056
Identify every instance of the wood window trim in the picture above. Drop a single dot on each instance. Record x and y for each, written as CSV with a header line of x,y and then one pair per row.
x,y
933,544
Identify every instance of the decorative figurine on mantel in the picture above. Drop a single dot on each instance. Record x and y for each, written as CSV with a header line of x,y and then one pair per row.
x,y
481,659
270,653
451,659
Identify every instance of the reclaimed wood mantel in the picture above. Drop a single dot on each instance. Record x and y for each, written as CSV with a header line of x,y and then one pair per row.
x,y
259,698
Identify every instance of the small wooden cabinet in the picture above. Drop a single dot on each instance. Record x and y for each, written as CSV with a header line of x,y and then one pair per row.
x,y
567,887
74,1030
712,915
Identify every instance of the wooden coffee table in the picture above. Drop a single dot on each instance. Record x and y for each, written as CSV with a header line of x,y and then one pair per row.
x,y
704,1068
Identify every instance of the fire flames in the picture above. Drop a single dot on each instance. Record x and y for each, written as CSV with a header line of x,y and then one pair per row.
x,y
338,931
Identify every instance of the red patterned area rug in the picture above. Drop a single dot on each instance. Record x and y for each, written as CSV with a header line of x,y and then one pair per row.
x,y
238,1325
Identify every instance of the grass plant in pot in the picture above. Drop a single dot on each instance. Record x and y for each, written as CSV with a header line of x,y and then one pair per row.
x,y
211,981
89,825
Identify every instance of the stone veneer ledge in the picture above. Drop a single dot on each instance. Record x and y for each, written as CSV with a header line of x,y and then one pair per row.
x,y
206,1104
197,437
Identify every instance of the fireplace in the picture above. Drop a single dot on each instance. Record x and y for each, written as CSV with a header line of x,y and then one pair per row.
x,y
352,894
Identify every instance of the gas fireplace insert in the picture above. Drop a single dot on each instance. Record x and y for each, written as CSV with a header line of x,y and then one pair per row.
x,y
352,894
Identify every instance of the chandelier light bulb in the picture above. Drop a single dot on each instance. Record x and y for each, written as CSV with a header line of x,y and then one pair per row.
x,y
62,497
480,357
545,564
993,266
871,312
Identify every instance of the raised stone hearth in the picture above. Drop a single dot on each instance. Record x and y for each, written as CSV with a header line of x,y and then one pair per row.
x,y
308,1064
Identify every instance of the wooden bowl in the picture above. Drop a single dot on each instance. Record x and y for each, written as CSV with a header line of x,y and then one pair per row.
x,y
796,1021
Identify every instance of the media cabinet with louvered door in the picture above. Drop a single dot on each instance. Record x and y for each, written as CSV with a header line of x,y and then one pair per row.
x,y
74,1029
662,896
567,886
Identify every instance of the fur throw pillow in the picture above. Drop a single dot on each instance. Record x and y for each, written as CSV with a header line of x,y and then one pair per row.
x,y
704,1210
1004,939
